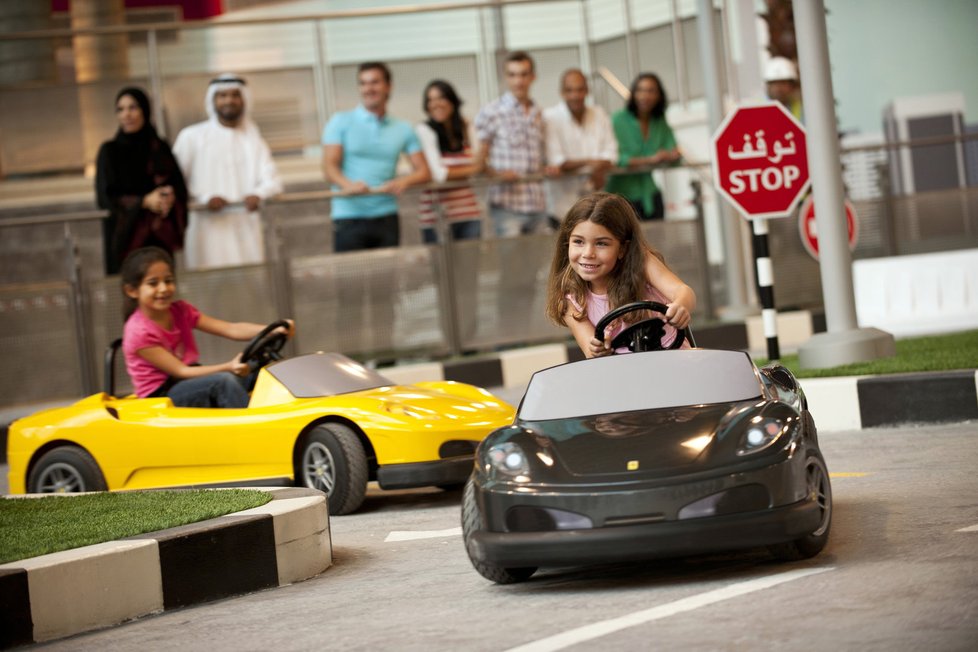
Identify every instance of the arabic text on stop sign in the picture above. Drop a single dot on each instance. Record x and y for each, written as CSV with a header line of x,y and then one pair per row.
x,y
770,178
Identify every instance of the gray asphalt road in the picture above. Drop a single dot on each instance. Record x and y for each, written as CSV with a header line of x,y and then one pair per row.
x,y
900,573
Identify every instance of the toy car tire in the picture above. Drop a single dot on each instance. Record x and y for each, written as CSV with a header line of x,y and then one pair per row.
x,y
332,460
811,544
66,469
472,521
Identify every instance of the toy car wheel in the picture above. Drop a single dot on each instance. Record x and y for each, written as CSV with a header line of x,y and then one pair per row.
x,y
819,490
66,469
333,461
471,522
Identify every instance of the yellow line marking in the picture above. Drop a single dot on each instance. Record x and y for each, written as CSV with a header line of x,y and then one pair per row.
x,y
845,474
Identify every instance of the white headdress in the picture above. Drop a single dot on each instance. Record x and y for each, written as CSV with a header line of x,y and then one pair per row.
x,y
225,82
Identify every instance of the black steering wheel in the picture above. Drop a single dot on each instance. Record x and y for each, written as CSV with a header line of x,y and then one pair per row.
x,y
265,346
644,335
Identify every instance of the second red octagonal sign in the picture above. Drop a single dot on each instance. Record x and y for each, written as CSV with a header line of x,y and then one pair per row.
x,y
760,160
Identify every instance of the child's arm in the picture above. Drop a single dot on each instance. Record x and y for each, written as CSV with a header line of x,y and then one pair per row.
x,y
173,366
682,299
238,330
583,332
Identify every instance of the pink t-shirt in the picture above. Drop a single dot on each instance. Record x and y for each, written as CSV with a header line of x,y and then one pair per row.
x,y
141,332
597,307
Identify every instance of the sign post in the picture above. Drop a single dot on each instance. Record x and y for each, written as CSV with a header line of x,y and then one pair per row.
x,y
760,164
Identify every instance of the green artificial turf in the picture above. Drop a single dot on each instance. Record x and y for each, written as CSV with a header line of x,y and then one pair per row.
x,y
932,353
37,526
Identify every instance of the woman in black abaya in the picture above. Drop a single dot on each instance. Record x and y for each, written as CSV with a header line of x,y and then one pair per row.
x,y
139,182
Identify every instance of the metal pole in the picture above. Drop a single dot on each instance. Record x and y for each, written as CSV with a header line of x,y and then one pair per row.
x,y
703,261
587,54
843,343
631,46
321,76
730,227
679,55
155,81
79,310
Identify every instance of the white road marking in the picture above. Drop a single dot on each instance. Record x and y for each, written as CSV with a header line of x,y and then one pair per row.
x,y
402,535
599,629
970,528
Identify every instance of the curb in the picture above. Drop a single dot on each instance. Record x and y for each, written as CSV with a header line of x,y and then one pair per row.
x,y
836,403
65,593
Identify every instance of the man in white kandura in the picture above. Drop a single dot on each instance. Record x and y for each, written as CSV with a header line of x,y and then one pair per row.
x,y
229,168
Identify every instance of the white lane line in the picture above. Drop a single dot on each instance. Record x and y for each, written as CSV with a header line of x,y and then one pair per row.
x,y
597,630
403,535
970,528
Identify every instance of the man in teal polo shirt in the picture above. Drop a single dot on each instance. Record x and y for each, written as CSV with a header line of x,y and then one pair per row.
x,y
360,153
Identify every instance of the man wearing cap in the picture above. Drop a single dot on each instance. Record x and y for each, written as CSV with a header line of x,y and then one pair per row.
x,y
229,168
781,76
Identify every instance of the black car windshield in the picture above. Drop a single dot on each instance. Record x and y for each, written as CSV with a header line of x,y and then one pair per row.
x,y
640,381
325,374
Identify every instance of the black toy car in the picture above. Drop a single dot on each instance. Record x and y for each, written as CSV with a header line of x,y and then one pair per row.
x,y
644,455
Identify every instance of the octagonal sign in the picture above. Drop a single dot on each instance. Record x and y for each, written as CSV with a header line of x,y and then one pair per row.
x,y
760,160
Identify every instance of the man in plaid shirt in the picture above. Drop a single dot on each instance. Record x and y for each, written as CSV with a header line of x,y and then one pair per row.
x,y
511,145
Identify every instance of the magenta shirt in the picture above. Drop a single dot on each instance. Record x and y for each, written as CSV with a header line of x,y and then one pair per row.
x,y
141,332
597,307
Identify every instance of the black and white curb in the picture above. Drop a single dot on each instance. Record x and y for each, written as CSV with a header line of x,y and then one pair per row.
x,y
840,403
284,541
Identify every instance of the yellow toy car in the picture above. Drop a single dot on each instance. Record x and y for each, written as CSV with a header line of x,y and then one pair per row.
x,y
320,420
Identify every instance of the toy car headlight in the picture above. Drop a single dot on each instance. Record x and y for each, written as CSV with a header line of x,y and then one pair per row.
x,y
507,458
760,434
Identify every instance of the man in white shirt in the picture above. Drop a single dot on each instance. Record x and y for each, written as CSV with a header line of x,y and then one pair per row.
x,y
229,167
580,141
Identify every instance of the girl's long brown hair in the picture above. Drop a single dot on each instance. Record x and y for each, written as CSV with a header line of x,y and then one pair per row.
x,y
627,281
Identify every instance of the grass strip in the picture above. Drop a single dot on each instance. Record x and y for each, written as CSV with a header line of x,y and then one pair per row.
x,y
931,353
38,526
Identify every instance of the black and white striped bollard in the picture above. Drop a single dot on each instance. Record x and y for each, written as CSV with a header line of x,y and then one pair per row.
x,y
765,287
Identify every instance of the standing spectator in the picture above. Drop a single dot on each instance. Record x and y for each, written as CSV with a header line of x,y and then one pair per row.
x,y
579,141
447,143
511,134
511,137
781,77
361,149
360,153
139,182
228,164
644,138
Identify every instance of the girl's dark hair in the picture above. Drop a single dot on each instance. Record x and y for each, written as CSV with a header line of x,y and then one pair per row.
x,y
628,279
453,137
133,271
659,110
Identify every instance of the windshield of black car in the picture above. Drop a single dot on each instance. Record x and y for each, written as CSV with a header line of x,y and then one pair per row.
x,y
325,374
640,381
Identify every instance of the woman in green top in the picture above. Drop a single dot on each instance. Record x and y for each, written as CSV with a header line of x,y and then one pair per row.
x,y
644,138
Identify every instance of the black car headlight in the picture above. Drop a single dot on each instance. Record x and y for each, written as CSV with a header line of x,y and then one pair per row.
x,y
761,433
506,458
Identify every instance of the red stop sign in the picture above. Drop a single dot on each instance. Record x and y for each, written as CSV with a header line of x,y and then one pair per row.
x,y
809,231
760,160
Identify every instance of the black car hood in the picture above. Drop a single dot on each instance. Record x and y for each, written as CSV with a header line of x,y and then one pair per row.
x,y
644,443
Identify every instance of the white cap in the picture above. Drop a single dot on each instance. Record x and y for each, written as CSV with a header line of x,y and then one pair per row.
x,y
780,68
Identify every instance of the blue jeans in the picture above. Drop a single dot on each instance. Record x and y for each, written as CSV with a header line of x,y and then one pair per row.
x,y
510,224
220,390
465,230
356,233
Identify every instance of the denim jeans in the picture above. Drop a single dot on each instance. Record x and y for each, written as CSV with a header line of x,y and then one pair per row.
x,y
511,224
465,230
517,288
356,233
220,390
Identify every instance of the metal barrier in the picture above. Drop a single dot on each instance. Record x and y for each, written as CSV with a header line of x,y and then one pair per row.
x,y
416,300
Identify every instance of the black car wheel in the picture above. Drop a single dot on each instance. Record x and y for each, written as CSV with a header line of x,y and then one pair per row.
x,y
66,469
472,522
819,489
333,461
